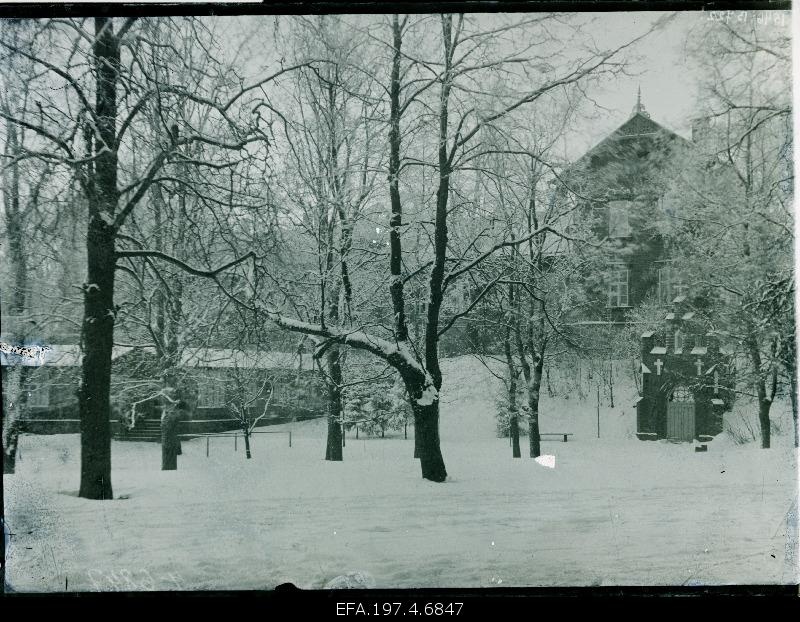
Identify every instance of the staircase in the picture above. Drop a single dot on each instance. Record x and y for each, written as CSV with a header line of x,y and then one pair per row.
x,y
145,430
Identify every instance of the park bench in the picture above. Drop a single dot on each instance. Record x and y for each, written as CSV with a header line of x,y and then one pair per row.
x,y
564,434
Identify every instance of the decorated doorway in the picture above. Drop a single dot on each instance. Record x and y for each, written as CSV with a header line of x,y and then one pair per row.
x,y
680,415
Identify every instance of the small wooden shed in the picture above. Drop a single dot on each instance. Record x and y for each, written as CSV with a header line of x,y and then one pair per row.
x,y
687,380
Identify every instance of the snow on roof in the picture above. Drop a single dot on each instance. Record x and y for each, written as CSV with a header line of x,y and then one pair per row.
x,y
70,355
64,356
649,333
658,350
669,316
637,124
688,316
717,402
645,369
255,359
58,355
699,350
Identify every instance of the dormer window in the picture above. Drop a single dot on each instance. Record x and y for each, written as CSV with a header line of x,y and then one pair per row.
x,y
618,219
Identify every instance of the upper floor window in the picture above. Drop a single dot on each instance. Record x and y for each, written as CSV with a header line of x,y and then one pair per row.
x,y
670,284
618,287
619,225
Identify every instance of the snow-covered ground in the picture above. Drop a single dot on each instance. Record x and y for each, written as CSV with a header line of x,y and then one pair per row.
x,y
613,511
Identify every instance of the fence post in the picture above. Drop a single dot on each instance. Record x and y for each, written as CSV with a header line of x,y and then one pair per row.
x,y
235,438
290,438
208,438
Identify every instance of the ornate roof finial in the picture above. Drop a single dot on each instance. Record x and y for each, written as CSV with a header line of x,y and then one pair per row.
x,y
639,107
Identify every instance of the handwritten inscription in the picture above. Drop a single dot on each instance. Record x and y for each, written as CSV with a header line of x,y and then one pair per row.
x,y
760,17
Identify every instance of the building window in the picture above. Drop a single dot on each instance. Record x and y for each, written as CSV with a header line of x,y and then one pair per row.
x,y
678,341
39,391
670,284
619,225
211,391
618,287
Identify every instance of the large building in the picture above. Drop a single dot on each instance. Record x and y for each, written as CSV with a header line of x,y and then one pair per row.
x,y
686,374
620,183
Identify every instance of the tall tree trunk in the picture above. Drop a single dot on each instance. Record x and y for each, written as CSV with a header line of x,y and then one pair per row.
x,y
99,312
611,383
533,383
514,431
764,403
426,418
417,437
793,398
512,394
333,449
169,441
14,393
431,459
763,421
430,454
15,229
97,338
247,443
15,400
533,405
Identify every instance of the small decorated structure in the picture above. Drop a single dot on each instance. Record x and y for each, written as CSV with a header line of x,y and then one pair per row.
x,y
687,380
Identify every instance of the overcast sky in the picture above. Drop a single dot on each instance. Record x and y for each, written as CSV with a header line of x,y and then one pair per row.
x,y
668,80
659,65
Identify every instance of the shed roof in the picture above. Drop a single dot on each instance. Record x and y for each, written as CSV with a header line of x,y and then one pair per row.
x,y
70,355
56,355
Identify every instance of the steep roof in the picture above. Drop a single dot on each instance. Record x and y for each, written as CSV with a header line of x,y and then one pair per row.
x,y
639,124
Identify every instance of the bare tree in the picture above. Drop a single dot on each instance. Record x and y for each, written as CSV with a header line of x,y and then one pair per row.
x,y
738,183
453,71
119,57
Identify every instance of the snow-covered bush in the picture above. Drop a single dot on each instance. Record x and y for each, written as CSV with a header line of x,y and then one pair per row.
x,y
376,407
